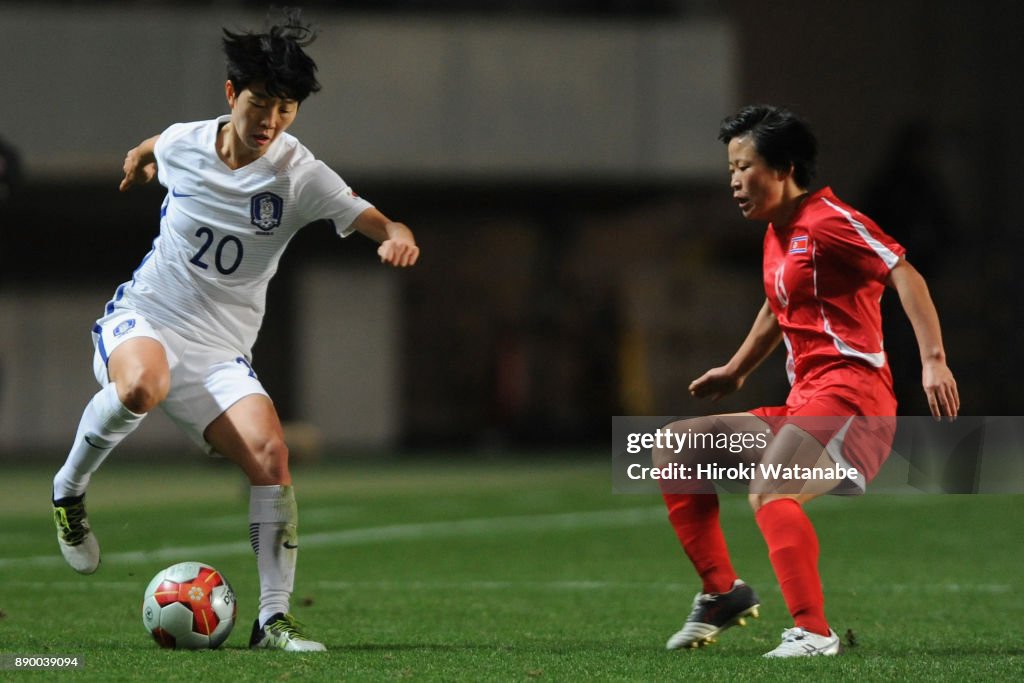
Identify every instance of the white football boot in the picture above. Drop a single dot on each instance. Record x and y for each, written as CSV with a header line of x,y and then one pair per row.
x,y
78,544
282,632
799,642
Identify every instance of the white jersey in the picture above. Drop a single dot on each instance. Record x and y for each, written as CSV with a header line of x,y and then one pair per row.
x,y
222,232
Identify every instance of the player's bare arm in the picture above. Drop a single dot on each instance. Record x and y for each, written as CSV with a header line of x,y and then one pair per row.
x,y
936,377
397,244
765,334
139,164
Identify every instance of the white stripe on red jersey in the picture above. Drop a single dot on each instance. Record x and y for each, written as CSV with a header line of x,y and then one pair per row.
x,y
824,275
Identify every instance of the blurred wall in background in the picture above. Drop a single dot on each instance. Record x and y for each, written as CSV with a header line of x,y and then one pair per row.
x,y
581,254
422,97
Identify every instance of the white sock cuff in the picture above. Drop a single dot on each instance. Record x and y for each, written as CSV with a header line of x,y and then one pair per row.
x,y
114,414
273,504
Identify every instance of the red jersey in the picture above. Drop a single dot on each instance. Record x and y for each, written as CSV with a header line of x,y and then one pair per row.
x,y
824,275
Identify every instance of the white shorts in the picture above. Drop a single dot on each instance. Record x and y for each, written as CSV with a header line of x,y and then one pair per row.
x,y
205,380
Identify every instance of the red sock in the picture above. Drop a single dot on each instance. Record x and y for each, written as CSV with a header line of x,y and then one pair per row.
x,y
793,551
694,516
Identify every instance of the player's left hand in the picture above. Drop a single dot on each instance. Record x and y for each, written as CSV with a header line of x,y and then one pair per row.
x,y
399,252
139,167
940,388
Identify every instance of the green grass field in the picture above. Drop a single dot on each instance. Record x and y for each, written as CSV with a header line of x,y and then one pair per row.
x,y
504,571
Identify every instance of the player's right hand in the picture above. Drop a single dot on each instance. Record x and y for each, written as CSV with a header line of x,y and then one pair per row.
x,y
715,383
399,252
941,390
135,171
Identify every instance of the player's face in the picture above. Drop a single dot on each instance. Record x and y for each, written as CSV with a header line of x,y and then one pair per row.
x,y
258,118
757,188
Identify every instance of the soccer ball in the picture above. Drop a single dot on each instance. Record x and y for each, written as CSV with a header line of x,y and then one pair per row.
x,y
189,605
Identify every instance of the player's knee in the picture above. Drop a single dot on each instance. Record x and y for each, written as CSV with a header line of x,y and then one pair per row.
x,y
759,500
667,454
661,457
271,462
143,389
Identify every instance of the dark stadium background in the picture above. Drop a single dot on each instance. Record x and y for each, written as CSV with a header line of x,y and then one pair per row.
x,y
513,327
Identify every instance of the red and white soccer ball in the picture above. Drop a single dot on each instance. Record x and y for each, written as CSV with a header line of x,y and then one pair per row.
x,y
189,605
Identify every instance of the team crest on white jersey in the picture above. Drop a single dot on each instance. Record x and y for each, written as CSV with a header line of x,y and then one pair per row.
x,y
265,210
125,327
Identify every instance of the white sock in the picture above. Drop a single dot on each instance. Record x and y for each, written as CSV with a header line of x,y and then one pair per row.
x,y
273,533
105,422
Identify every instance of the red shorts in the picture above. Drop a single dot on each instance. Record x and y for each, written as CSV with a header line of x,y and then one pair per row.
x,y
851,411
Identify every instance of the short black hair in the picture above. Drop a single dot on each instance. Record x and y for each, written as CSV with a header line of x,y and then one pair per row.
x,y
779,135
274,58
